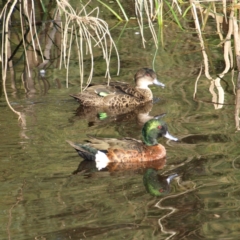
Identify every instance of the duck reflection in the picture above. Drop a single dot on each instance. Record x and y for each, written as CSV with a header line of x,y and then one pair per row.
x,y
90,166
156,184
103,115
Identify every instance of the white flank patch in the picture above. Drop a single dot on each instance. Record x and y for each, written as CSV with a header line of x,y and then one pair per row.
x,y
101,160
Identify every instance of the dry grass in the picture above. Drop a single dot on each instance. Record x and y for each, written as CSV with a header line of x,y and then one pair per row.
x,y
88,32
231,44
220,10
84,28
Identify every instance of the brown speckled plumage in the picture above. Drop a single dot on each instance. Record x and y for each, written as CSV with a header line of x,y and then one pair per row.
x,y
120,95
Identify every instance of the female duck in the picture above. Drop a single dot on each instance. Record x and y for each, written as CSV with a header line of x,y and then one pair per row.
x,y
119,94
128,150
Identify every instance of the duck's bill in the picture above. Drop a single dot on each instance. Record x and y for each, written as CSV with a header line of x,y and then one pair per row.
x,y
171,177
169,136
160,116
156,82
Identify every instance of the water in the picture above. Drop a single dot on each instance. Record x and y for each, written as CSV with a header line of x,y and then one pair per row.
x,y
42,199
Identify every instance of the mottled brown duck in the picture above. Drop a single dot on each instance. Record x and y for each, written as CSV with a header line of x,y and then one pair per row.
x,y
120,94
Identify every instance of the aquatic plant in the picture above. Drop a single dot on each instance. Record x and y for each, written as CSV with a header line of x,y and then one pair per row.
x,y
66,27
66,32
226,15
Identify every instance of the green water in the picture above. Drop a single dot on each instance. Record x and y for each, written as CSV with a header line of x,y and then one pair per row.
x,y
42,199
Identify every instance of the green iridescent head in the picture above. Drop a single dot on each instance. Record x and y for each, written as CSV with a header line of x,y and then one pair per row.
x,y
156,184
153,129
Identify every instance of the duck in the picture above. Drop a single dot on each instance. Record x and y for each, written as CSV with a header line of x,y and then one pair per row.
x,y
156,184
107,151
120,94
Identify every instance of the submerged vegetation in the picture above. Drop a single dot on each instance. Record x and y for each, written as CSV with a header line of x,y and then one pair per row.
x,y
53,32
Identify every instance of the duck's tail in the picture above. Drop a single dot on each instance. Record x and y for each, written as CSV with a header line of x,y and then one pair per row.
x,y
86,152
74,96
91,154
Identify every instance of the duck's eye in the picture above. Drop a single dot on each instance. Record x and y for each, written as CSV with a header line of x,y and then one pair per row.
x,y
161,190
159,127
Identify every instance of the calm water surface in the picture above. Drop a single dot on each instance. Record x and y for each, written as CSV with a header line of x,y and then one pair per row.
x,y
42,199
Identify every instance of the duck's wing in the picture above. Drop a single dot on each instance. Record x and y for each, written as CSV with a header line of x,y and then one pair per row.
x,y
99,95
113,143
117,88
131,91
95,90
88,151
112,87
103,94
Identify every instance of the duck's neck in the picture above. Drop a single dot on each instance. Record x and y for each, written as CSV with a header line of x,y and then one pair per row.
x,y
150,139
142,85
146,93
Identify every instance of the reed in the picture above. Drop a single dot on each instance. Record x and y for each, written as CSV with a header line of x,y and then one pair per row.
x,y
114,12
227,13
82,31
84,28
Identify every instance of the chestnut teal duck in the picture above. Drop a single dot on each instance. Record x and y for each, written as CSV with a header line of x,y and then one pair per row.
x,y
120,94
105,151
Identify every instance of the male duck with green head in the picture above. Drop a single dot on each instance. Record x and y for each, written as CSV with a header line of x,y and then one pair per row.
x,y
127,150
